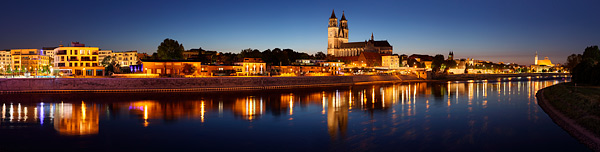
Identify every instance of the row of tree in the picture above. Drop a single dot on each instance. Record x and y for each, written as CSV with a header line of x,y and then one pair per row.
x,y
171,49
585,68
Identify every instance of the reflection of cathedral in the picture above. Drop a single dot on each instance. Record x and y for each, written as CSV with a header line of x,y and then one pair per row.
x,y
338,45
337,116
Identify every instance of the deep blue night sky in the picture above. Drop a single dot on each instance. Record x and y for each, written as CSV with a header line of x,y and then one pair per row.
x,y
509,31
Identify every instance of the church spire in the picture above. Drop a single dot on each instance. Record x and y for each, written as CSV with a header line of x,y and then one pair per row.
x,y
343,16
372,39
333,14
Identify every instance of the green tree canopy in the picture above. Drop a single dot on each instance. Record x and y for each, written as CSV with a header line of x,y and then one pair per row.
x,y
588,70
572,61
170,49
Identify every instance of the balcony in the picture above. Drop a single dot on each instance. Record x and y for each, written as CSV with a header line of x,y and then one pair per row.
x,y
61,52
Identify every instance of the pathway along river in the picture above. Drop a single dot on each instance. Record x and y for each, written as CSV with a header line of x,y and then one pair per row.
x,y
500,115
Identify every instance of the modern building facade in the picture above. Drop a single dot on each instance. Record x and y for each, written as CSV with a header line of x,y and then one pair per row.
x,y
338,45
103,54
127,58
29,59
5,60
77,60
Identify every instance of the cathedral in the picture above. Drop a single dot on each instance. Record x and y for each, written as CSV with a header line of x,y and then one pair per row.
x,y
339,46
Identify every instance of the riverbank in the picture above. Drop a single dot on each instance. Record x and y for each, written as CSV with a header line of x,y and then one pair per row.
x,y
206,84
575,109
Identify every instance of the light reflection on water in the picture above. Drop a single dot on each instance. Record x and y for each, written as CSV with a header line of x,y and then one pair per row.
x,y
471,115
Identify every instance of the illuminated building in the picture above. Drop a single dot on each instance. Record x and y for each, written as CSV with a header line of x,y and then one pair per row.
x,y
171,67
5,60
125,59
541,65
103,54
78,60
253,66
49,51
221,70
29,59
338,45
390,61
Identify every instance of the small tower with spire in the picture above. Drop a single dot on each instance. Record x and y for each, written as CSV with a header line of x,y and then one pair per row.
x,y
536,58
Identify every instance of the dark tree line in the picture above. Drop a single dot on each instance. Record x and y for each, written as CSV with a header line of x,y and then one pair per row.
x,y
587,70
170,49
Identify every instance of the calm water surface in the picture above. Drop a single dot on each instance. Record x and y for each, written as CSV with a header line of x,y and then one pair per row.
x,y
454,116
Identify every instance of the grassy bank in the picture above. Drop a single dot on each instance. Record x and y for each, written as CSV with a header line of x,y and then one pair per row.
x,y
579,103
576,109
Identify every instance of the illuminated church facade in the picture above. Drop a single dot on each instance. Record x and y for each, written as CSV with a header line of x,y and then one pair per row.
x,y
541,65
338,45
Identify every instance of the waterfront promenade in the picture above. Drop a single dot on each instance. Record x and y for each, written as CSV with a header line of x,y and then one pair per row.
x,y
43,85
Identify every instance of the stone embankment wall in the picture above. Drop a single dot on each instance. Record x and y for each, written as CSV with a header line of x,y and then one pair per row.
x,y
179,84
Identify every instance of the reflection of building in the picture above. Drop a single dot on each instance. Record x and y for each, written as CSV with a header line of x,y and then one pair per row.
x,y
79,119
78,60
249,108
338,45
337,115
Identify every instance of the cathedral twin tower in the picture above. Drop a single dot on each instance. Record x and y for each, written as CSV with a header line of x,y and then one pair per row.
x,y
337,40
336,35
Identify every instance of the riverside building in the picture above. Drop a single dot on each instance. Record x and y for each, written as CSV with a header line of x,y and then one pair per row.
x,y
28,59
5,60
78,60
125,59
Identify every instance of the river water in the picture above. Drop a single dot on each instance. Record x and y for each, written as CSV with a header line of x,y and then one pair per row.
x,y
499,115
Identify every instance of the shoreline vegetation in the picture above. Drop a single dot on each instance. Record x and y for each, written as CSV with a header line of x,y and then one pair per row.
x,y
575,109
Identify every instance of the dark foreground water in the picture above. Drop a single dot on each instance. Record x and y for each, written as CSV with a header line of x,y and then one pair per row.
x,y
452,116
